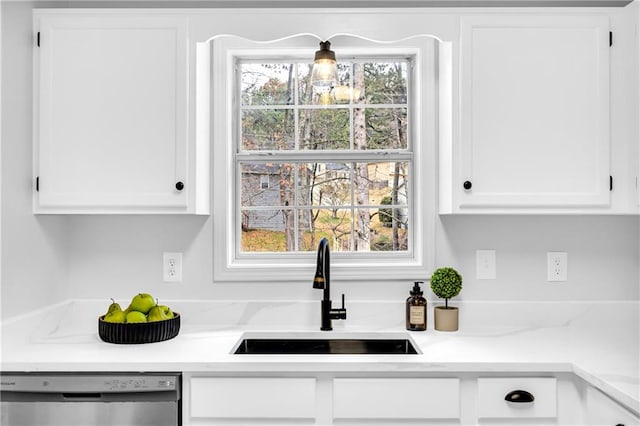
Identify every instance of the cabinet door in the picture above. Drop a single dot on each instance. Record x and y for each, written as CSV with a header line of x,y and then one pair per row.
x,y
603,411
396,399
253,398
534,113
638,97
111,113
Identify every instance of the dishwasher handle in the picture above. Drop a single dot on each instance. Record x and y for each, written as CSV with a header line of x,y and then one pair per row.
x,y
82,397
17,396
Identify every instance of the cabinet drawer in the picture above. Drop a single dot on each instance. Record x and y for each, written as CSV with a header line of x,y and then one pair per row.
x,y
492,392
253,397
396,398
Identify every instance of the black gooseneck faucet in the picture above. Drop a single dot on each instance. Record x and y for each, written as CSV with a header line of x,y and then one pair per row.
x,y
322,280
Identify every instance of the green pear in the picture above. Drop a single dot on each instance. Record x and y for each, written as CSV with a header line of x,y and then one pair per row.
x,y
114,313
167,311
156,314
113,307
136,317
142,302
115,316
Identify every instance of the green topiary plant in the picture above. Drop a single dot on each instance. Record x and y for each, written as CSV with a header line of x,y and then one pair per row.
x,y
446,283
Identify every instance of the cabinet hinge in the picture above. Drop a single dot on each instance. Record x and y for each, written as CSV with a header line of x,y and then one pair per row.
x,y
610,38
37,183
610,183
38,39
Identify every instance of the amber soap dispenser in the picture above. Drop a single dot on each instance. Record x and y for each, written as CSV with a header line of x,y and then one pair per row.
x,y
416,309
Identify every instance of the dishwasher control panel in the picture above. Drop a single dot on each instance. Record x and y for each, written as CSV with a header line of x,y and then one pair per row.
x,y
139,384
88,382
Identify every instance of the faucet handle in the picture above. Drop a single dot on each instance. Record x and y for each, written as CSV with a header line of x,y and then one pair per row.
x,y
342,312
338,313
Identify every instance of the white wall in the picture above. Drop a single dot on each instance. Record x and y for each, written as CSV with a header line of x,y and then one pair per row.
x,y
46,258
34,249
118,256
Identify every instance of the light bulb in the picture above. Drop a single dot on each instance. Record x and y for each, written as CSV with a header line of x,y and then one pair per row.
x,y
325,70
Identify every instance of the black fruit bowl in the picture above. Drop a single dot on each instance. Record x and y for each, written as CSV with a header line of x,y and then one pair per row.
x,y
135,333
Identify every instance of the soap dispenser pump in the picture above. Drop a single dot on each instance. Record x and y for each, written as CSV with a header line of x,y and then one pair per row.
x,y
416,309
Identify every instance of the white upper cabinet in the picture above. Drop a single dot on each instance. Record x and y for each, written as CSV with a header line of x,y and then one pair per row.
x,y
637,139
534,115
111,115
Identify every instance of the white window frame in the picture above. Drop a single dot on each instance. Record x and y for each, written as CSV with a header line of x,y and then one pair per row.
x,y
229,264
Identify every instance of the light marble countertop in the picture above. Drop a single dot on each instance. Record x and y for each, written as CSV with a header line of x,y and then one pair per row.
x,y
493,337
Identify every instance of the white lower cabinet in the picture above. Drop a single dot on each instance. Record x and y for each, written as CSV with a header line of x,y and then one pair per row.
x,y
397,399
326,399
253,399
603,411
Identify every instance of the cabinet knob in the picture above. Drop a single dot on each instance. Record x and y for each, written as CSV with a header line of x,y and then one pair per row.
x,y
519,396
466,185
179,186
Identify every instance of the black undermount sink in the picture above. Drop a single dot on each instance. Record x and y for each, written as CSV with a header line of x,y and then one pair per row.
x,y
320,346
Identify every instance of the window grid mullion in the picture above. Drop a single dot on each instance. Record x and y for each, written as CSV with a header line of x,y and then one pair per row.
x,y
296,145
352,180
296,209
296,118
323,107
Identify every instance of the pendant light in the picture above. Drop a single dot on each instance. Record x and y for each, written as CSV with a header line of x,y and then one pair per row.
x,y
324,74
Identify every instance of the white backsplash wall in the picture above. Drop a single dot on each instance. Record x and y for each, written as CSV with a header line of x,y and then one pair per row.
x,y
602,252
119,256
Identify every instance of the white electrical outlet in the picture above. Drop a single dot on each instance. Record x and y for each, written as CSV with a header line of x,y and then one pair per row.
x,y
486,264
557,266
172,267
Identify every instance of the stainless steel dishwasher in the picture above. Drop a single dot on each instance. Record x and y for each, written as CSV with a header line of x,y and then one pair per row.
x,y
90,399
